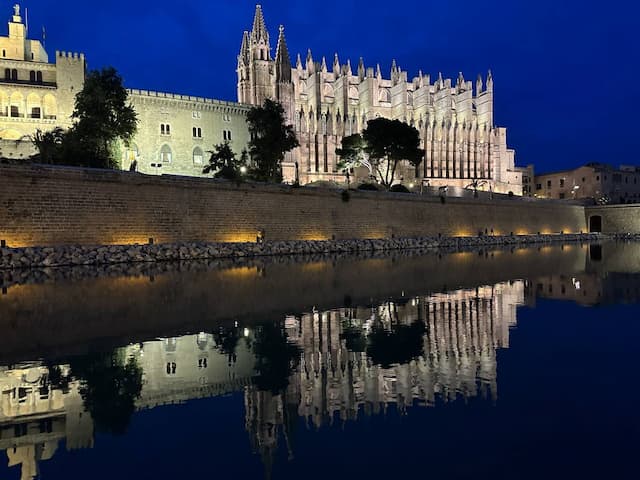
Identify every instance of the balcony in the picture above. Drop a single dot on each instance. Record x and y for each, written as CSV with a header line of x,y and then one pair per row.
x,y
28,83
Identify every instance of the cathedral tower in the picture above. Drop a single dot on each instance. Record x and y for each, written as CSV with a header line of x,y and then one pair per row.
x,y
255,65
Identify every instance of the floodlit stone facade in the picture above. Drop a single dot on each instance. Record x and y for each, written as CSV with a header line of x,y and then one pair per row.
x,y
326,102
34,93
323,102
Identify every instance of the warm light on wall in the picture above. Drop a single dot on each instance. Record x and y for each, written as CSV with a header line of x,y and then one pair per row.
x,y
240,237
315,237
241,272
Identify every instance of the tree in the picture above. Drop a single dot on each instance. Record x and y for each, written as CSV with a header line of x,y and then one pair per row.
x,y
271,139
398,345
49,145
223,162
381,147
103,119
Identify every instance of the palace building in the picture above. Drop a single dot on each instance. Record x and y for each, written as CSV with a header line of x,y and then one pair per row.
x,y
324,101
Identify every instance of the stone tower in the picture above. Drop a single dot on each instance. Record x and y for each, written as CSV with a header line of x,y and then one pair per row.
x,y
255,65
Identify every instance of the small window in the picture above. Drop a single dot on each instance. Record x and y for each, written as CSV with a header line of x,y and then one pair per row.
x,y
197,132
562,182
14,74
538,186
4,53
165,129
226,117
598,178
32,76
226,135
548,183
15,112
32,56
196,114
7,74
39,77
562,196
36,113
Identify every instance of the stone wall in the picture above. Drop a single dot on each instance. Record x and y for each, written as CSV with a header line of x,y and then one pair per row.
x,y
56,206
616,218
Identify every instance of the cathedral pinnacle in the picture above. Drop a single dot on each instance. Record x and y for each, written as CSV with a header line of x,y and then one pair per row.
x,y
283,60
361,69
245,54
336,64
378,72
323,68
259,32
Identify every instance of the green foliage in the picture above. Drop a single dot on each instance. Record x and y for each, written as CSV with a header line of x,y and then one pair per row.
x,y
103,121
381,147
271,138
110,385
276,358
49,145
224,163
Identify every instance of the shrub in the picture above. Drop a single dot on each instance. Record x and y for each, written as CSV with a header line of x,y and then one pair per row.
x,y
399,188
368,186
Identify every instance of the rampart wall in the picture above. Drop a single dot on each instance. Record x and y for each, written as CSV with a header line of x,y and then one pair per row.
x,y
42,205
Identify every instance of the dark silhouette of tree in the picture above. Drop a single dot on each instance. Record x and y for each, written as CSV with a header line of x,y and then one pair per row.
x,y
227,342
276,358
103,119
224,163
354,338
49,145
110,385
381,147
271,139
396,346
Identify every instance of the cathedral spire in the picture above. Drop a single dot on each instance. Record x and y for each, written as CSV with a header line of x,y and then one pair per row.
x,y
490,81
299,62
283,61
378,72
259,32
245,54
309,64
323,67
349,71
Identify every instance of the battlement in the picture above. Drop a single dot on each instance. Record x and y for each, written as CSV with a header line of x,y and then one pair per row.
x,y
189,98
70,55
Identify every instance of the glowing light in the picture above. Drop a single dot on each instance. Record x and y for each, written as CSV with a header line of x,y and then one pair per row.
x,y
243,170
246,332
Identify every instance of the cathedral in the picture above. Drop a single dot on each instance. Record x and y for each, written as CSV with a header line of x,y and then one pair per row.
x,y
328,101
323,101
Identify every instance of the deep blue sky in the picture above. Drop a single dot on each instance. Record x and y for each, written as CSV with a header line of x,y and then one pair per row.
x,y
565,70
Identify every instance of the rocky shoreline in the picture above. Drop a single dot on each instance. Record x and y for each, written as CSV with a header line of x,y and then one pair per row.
x,y
50,257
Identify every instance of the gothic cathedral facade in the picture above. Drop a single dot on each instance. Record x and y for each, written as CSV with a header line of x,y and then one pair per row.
x,y
325,103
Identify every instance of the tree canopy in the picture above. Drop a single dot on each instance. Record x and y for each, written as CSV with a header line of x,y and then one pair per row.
x,y
381,147
224,163
271,139
103,118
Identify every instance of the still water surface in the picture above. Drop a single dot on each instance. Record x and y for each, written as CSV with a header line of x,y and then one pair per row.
x,y
518,363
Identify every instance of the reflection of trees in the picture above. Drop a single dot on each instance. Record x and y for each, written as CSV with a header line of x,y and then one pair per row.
x,y
227,341
397,345
110,385
276,358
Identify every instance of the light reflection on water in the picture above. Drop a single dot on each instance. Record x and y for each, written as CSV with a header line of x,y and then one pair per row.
x,y
321,368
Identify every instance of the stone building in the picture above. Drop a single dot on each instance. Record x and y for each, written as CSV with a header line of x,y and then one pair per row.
x,y
598,181
34,93
326,101
323,102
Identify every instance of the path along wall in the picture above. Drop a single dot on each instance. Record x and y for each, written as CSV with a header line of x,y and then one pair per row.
x,y
55,206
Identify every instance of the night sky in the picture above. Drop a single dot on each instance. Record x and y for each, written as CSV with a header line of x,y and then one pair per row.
x,y
565,70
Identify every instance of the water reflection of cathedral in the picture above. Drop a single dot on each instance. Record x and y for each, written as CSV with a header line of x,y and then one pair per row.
x,y
335,379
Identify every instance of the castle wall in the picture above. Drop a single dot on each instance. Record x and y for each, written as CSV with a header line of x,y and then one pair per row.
x,y
189,152
617,218
53,206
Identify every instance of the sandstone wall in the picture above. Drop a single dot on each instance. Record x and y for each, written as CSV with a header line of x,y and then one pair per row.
x,y
55,206
617,218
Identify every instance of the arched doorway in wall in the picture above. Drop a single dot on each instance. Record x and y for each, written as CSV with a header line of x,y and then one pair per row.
x,y
595,224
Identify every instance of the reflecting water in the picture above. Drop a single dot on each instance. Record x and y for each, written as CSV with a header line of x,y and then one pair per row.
x,y
511,363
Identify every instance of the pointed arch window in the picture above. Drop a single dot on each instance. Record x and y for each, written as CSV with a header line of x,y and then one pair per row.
x,y
166,154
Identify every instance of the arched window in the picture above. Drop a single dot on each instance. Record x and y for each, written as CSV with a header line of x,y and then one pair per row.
x,y
32,76
7,74
384,96
328,91
4,53
353,92
39,77
14,74
34,108
198,156
50,107
165,154
16,105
